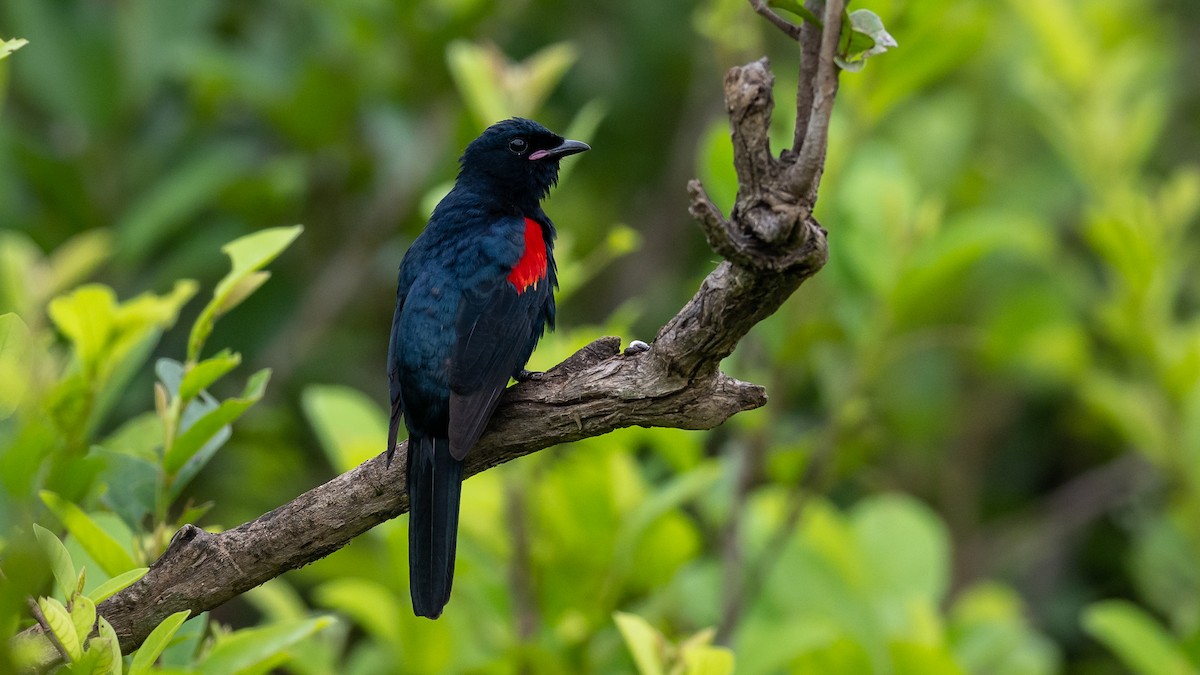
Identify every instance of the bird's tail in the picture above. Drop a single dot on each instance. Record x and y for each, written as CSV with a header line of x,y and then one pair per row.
x,y
434,491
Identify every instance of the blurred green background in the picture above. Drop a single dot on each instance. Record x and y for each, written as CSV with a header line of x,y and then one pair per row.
x,y
982,449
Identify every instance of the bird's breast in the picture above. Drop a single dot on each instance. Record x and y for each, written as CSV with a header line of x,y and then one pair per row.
x,y
530,269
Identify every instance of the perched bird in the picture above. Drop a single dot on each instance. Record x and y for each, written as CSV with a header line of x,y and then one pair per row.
x,y
475,293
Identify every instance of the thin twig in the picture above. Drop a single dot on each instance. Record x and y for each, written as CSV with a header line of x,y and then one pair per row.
x,y
805,175
815,474
790,29
48,632
733,554
520,568
810,57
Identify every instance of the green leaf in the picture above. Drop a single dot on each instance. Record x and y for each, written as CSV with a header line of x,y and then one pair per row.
x,y
863,36
1142,643
241,290
156,642
247,255
181,653
59,620
83,615
277,600
91,662
370,604
796,7
495,88
348,423
139,436
109,640
534,78
905,545
116,584
203,374
110,555
708,660
195,436
86,317
15,343
644,642
7,47
682,489
59,557
252,646
474,69
131,479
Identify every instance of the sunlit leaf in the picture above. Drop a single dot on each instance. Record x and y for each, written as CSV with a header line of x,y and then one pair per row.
x,y
116,584
708,660
644,642
113,558
15,343
247,256
863,36
86,317
349,424
906,546
59,620
156,642
7,47
250,647
112,644
204,374
797,7
241,290
83,615
1143,645
59,557
195,436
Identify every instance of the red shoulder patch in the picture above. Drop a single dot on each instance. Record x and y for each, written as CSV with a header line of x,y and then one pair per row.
x,y
531,268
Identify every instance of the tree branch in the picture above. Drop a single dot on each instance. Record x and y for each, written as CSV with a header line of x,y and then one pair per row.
x,y
790,29
771,244
805,174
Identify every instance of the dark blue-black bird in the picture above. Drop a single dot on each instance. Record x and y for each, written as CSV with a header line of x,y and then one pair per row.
x,y
476,292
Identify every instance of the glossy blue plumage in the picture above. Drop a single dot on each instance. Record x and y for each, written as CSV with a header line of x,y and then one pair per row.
x,y
461,329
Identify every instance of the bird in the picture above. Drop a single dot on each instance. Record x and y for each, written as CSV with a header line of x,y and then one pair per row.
x,y
475,293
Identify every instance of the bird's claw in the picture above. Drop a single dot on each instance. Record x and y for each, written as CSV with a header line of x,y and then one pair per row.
x,y
523,375
636,347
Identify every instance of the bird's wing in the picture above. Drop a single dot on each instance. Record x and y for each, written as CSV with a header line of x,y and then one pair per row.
x,y
393,365
498,326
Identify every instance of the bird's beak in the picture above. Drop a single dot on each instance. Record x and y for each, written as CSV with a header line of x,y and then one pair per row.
x,y
567,147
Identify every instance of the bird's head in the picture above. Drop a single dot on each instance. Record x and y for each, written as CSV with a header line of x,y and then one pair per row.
x,y
517,157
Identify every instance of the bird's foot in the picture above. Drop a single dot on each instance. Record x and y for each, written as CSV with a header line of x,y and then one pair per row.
x,y
636,347
523,375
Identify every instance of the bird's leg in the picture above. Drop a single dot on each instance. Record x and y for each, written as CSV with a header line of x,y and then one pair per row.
x,y
523,375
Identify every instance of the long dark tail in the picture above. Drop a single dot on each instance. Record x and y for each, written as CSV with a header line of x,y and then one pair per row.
x,y
434,491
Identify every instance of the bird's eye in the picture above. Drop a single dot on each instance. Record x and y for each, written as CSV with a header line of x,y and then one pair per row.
x,y
518,146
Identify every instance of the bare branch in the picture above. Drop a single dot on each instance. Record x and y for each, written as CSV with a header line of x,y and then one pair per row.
x,y
790,29
810,56
805,175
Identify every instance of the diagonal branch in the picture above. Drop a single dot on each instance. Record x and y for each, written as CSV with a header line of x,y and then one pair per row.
x,y
771,244
789,28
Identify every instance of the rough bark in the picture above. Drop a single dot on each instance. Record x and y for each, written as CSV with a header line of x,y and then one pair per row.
x,y
770,243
